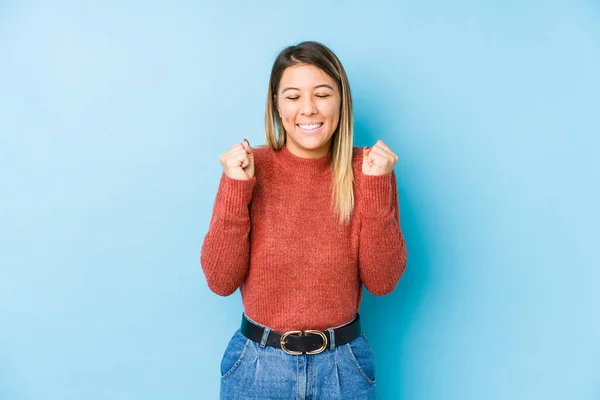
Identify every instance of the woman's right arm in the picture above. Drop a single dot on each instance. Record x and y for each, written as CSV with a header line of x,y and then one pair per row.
x,y
225,253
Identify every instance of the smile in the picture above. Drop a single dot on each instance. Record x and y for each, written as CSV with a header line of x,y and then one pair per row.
x,y
310,128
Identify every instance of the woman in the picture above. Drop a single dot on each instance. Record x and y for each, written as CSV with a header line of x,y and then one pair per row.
x,y
299,225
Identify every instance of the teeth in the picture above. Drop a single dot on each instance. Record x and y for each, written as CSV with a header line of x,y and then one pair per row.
x,y
310,127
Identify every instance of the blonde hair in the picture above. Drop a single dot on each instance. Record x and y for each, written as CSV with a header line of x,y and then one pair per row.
x,y
320,56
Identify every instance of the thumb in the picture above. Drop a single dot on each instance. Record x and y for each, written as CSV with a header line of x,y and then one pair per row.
x,y
366,152
249,161
247,147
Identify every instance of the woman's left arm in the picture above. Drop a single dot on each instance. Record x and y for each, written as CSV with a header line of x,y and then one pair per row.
x,y
382,249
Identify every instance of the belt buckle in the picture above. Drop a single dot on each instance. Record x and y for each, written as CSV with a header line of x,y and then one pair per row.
x,y
299,333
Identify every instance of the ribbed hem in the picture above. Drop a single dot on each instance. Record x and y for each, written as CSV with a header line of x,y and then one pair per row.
x,y
376,192
234,195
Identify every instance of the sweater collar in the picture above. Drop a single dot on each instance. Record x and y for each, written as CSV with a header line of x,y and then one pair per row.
x,y
310,166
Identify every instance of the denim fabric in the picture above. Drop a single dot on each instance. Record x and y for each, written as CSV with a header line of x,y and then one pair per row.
x,y
250,371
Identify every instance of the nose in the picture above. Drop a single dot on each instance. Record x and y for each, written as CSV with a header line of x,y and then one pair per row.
x,y
308,106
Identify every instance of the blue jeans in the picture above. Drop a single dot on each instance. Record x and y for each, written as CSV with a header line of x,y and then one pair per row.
x,y
252,371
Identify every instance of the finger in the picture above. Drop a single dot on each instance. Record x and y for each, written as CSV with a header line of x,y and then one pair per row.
x,y
383,147
381,143
245,163
366,157
247,147
247,142
386,156
379,154
386,148
237,159
237,150
232,153
370,161
389,154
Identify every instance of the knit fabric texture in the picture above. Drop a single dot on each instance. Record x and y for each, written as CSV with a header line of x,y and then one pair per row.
x,y
276,237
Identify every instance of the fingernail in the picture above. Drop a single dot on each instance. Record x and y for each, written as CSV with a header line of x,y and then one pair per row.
x,y
247,141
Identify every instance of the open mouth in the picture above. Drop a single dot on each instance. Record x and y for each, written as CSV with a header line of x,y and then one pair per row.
x,y
310,128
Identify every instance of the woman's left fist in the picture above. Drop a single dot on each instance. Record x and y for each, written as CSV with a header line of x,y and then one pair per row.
x,y
378,160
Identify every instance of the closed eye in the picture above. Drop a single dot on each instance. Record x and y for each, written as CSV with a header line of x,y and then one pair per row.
x,y
321,96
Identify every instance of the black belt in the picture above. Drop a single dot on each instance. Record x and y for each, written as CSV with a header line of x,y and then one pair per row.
x,y
295,342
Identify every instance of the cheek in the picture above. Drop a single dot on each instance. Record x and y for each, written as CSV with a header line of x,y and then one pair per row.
x,y
288,114
332,112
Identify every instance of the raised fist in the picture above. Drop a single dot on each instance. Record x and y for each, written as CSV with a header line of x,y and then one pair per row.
x,y
378,160
238,162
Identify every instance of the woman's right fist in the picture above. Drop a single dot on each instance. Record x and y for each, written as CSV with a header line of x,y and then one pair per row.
x,y
238,162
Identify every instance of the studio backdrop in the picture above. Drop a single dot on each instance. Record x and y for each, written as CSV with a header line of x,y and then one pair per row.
x,y
113,116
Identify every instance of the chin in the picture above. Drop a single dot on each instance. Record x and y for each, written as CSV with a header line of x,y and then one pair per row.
x,y
313,145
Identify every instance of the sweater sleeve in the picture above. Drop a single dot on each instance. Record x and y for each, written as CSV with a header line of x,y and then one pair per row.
x,y
382,249
224,255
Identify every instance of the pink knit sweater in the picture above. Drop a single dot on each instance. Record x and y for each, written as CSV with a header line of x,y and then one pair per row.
x,y
275,237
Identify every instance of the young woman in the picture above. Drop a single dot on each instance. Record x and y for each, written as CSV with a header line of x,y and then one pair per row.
x,y
299,225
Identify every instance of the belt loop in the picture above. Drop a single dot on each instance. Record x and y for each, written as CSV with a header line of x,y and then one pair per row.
x,y
331,338
265,336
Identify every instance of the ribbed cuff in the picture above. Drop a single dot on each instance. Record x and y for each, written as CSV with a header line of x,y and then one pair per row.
x,y
376,192
234,195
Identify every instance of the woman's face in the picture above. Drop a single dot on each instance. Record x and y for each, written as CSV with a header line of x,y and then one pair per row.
x,y
308,102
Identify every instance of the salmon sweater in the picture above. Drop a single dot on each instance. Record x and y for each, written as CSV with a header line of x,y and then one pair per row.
x,y
276,237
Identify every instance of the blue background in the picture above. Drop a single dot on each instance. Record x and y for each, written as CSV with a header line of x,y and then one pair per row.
x,y
112,118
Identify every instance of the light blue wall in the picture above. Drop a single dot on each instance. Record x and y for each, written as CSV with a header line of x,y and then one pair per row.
x,y
112,118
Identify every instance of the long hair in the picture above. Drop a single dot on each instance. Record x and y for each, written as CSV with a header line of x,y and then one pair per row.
x,y
320,56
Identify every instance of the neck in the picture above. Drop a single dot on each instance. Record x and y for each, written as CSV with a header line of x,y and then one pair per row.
x,y
322,152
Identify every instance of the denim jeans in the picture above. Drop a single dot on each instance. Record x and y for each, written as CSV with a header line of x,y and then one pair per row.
x,y
252,371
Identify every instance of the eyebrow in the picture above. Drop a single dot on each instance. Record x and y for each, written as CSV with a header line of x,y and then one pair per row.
x,y
316,87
